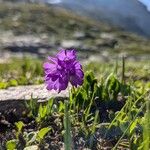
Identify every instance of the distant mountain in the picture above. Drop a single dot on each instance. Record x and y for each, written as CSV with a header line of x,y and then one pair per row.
x,y
131,15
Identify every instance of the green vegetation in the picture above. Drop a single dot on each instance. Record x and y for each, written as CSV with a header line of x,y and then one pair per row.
x,y
21,72
105,113
29,71
110,110
37,19
134,70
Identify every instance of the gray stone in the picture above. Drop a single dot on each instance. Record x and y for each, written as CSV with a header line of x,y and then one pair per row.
x,y
70,44
106,43
105,35
79,35
31,91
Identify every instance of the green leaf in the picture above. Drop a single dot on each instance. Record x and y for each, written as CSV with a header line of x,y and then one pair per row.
x,y
13,82
49,106
42,112
133,126
3,85
61,106
42,133
19,125
67,127
11,145
112,86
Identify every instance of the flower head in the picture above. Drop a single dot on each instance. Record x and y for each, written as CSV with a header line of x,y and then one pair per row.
x,y
62,69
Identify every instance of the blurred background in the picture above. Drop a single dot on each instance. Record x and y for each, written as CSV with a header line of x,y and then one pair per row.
x,y
97,29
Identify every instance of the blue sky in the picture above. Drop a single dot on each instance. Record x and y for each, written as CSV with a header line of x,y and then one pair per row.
x,y
147,3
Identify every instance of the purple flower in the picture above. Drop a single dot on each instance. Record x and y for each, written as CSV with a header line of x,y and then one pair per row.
x,y
62,69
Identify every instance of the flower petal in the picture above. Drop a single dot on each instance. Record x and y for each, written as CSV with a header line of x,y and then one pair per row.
x,y
62,69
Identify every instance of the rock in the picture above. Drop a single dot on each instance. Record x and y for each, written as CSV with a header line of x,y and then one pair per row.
x,y
72,22
33,147
71,44
27,92
90,35
79,35
8,39
15,98
4,57
105,35
25,45
94,29
42,51
24,40
106,42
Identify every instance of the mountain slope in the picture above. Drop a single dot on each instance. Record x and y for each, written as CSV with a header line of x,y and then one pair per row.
x,y
53,28
129,14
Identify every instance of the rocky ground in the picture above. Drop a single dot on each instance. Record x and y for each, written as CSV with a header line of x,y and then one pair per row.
x,y
15,98
31,91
